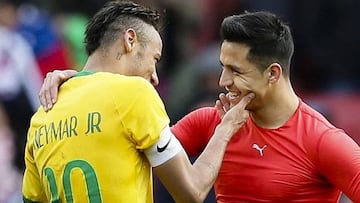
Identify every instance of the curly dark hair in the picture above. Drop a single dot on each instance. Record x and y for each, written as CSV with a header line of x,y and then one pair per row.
x,y
114,18
268,38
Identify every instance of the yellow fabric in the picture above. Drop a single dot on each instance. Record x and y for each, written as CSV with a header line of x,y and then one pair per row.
x,y
92,141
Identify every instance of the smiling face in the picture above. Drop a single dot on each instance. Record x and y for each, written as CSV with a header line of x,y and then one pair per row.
x,y
144,56
240,77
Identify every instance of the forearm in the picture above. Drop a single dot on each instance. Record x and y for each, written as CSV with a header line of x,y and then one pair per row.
x,y
189,183
205,169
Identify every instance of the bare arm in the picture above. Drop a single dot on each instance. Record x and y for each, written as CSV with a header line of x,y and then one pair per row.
x,y
49,89
191,183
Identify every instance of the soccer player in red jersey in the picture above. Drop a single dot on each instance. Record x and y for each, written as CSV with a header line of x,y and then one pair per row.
x,y
286,151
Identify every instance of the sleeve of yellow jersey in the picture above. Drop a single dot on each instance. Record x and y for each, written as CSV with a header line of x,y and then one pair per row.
x,y
146,117
32,188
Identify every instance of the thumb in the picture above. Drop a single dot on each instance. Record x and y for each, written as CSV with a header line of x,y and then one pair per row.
x,y
66,74
245,100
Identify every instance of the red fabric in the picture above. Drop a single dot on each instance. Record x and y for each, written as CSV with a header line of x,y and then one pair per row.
x,y
54,59
305,160
342,108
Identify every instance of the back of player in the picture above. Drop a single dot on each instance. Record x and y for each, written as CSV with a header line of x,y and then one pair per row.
x,y
88,147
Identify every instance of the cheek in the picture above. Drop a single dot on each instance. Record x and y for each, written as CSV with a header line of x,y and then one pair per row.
x,y
256,85
261,94
243,83
246,86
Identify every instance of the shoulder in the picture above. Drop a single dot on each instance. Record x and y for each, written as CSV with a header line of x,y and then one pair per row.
x,y
209,113
195,129
202,118
313,120
118,78
316,129
116,82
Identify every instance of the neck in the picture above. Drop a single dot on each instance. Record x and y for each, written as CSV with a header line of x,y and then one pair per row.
x,y
101,62
278,109
95,63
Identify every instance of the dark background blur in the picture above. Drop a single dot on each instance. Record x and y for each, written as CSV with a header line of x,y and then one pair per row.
x,y
325,69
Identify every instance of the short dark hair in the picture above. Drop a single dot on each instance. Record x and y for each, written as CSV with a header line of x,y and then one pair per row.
x,y
114,18
268,38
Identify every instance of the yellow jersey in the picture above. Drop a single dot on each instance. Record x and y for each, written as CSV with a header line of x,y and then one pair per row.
x,y
88,148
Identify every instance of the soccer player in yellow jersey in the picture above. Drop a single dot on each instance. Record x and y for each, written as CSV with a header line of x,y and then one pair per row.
x,y
109,126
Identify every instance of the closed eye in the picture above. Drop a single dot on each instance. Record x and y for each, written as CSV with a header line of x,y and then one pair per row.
x,y
157,60
235,70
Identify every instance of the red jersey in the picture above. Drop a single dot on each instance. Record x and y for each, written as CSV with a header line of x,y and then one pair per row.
x,y
305,160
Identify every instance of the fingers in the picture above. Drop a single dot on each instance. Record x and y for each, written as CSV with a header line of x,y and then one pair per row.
x,y
220,108
225,101
42,98
49,90
235,118
44,94
222,104
65,74
245,100
238,113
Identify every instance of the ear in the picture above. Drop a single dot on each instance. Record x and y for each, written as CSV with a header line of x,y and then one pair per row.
x,y
129,39
274,72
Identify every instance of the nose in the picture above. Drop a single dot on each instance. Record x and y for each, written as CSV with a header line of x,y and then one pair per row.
x,y
225,79
154,79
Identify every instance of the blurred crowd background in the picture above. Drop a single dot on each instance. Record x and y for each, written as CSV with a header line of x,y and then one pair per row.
x,y
38,36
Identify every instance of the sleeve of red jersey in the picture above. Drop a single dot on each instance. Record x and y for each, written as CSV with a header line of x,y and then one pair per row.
x,y
195,129
339,161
